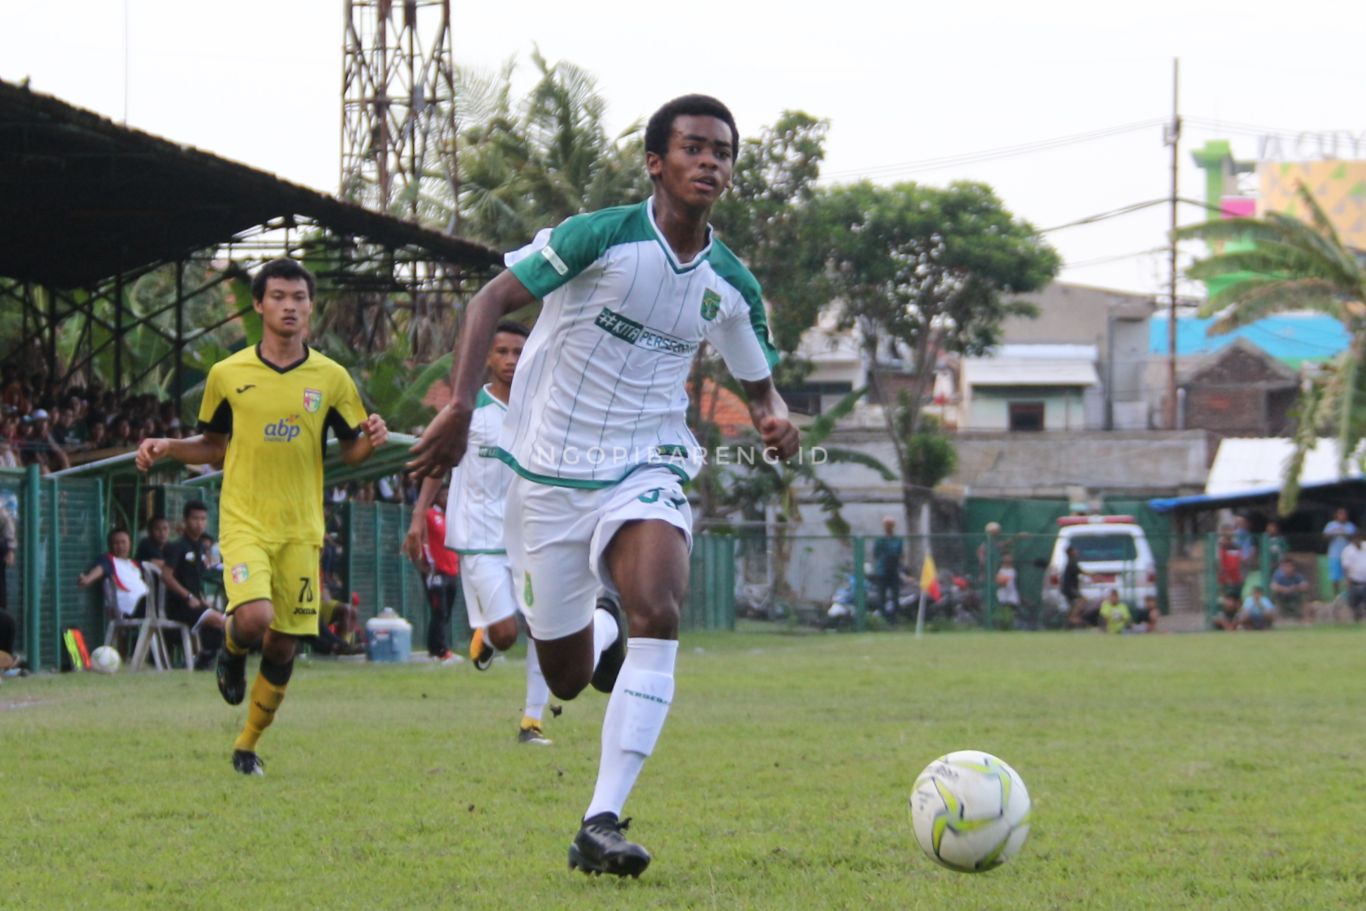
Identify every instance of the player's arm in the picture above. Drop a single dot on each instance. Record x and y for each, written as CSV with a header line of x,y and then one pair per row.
x,y
443,442
205,449
373,433
768,412
415,542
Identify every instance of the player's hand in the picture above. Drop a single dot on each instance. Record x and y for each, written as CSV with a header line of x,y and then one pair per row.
x,y
151,451
442,444
415,546
779,435
375,430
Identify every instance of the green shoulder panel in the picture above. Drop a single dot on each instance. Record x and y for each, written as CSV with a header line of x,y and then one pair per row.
x,y
728,266
578,242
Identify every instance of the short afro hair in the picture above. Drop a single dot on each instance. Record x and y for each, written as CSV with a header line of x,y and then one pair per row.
x,y
662,121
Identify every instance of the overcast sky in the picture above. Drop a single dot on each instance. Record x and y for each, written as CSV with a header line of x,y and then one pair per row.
x,y
901,84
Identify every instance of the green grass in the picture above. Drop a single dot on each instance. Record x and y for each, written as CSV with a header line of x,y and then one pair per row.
x,y
1181,771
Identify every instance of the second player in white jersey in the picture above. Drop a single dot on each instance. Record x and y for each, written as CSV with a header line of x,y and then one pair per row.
x,y
479,485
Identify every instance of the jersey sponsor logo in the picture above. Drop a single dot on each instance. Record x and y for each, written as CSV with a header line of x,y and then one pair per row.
x,y
284,430
488,452
554,259
628,330
242,389
711,304
313,400
240,573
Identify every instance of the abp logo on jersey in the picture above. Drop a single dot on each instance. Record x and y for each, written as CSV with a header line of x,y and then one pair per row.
x,y
283,430
313,400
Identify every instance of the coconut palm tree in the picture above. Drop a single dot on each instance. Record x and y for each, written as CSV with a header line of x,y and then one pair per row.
x,y
1282,262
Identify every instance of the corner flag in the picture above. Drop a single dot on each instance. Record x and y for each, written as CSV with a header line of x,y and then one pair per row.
x,y
929,579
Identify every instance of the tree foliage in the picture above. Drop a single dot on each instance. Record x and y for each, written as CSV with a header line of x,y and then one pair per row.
x,y
1282,263
922,271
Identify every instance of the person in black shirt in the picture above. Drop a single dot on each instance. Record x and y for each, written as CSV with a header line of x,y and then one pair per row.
x,y
183,574
1081,612
152,548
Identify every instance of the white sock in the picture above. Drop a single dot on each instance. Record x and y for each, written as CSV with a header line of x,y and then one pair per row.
x,y
537,692
604,633
635,715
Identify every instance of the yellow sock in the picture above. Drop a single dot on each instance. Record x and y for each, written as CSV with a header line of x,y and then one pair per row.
x,y
229,629
264,701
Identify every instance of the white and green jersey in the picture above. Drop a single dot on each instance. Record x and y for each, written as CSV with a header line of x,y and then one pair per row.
x,y
479,484
599,390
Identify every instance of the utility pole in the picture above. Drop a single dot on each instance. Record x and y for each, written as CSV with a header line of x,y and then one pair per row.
x,y
1172,138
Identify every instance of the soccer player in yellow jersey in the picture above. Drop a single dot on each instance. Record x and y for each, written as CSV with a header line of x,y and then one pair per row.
x,y
265,416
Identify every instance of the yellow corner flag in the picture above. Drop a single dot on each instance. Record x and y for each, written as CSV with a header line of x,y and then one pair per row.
x,y
929,579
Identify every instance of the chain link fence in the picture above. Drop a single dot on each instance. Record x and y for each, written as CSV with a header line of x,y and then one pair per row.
x,y
1002,578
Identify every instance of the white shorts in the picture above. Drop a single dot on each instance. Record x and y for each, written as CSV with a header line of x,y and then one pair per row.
x,y
487,583
556,538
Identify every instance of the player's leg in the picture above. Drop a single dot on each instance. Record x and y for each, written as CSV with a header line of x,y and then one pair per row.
x,y
267,694
294,594
549,532
648,561
246,585
641,550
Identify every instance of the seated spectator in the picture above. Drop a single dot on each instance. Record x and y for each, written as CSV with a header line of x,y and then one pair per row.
x,y
1115,613
1145,618
1258,611
1229,615
130,589
8,458
39,439
1353,563
183,574
98,436
1288,588
152,548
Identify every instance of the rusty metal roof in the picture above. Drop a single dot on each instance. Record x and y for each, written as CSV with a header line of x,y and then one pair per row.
x,y
83,198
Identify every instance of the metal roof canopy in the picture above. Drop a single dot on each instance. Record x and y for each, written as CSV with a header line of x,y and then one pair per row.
x,y
83,199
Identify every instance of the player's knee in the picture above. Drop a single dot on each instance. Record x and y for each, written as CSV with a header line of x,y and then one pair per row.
x,y
278,649
503,634
567,687
655,617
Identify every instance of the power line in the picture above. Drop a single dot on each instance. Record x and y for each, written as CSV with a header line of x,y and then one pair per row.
x,y
1112,213
1101,260
947,161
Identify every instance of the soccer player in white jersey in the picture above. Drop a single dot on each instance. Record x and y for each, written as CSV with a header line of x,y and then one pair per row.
x,y
597,436
474,530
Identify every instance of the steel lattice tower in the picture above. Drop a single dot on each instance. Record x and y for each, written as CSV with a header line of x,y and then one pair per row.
x,y
398,105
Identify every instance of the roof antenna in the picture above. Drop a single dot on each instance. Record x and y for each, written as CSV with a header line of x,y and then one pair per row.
x,y
125,62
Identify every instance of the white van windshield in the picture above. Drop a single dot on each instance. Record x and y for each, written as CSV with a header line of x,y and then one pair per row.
x,y
1104,548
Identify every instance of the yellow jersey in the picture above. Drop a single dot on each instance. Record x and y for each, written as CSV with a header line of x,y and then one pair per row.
x,y
277,418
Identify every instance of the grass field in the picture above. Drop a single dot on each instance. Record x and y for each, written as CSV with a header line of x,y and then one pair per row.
x,y
1182,771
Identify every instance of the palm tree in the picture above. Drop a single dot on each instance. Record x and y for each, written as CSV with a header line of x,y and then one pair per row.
x,y
1295,264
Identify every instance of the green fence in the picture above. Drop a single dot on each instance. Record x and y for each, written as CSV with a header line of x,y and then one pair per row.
x,y
764,574
61,526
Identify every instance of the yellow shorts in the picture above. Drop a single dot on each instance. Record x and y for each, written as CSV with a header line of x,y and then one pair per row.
x,y
286,575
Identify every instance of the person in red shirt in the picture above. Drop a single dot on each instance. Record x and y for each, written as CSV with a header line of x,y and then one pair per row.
x,y
441,568
1230,568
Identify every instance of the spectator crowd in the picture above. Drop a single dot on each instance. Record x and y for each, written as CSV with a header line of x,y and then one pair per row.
x,y
54,427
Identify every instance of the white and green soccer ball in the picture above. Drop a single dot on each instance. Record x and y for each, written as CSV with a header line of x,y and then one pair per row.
x,y
970,811
105,660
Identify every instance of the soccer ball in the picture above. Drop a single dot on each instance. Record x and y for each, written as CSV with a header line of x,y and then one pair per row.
x,y
970,811
105,660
